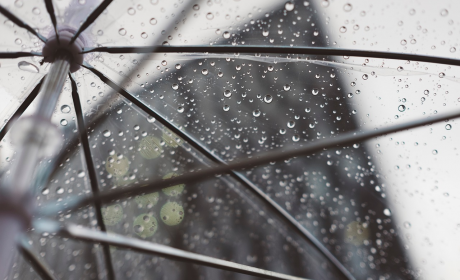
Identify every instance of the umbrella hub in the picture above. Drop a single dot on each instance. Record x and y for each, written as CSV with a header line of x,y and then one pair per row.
x,y
56,45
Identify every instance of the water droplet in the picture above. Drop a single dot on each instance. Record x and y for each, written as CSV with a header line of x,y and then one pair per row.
x,y
122,31
18,3
403,42
106,133
435,152
100,32
400,68
291,124
289,6
287,87
308,110
45,191
36,11
444,12
27,66
60,190
448,127
268,99
411,12
347,7
136,127
343,29
227,93
180,109
178,66
407,225
209,16
153,21
64,122
196,7
401,108
175,86
265,33
81,174
131,11
256,113
204,71
144,35
325,3
295,138
226,35
226,108
365,77
315,91
387,212
453,49
442,75
426,92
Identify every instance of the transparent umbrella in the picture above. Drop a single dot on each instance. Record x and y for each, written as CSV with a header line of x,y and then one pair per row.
x,y
228,140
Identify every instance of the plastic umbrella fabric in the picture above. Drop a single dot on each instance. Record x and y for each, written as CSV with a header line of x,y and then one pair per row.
x,y
228,140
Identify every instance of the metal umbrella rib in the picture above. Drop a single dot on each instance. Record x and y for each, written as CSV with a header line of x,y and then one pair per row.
x,y
283,214
277,50
319,145
38,265
21,23
91,172
50,10
25,104
85,234
91,18
6,55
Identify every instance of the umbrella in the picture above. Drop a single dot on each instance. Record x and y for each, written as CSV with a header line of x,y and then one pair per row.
x,y
227,140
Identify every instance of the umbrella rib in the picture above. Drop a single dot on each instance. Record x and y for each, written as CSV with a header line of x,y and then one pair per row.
x,y
21,23
277,50
19,54
91,172
236,175
90,235
316,146
37,264
90,19
25,104
50,9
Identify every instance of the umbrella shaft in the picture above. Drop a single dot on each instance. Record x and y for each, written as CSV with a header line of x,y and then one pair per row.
x,y
29,150
10,227
17,189
53,84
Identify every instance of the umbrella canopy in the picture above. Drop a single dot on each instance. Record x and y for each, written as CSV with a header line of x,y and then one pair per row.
x,y
228,139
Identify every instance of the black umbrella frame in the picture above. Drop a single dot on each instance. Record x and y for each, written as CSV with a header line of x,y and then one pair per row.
x,y
17,203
